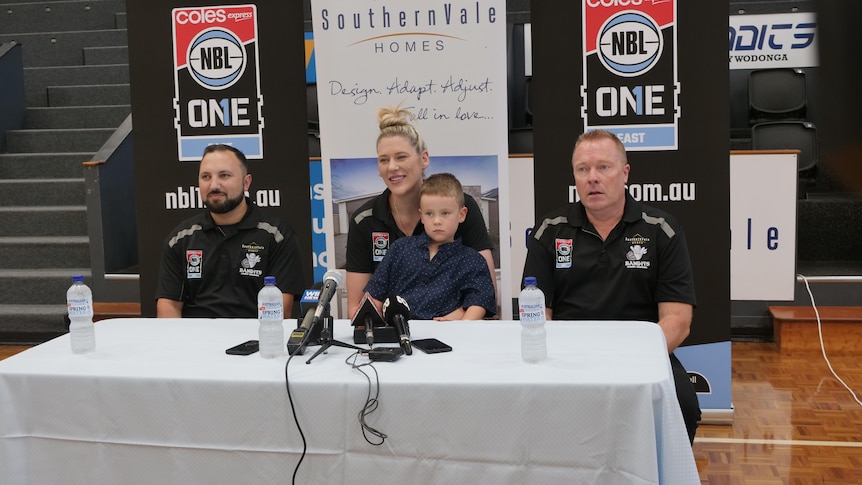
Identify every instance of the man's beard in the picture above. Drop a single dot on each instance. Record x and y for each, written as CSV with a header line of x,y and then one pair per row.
x,y
225,206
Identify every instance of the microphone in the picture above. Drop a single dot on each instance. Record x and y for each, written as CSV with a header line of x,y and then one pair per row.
x,y
396,311
367,316
297,341
331,280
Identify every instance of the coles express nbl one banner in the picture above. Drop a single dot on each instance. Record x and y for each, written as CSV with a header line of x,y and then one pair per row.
x,y
630,84
217,96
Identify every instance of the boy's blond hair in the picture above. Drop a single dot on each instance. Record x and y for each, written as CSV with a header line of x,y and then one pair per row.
x,y
443,184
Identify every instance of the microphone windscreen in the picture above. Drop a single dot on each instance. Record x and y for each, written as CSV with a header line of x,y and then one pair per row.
x,y
334,275
367,309
395,305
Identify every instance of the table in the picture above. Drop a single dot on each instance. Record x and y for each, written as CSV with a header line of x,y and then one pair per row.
x,y
159,401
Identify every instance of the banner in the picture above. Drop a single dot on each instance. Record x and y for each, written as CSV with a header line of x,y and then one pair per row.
x,y
630,82
215,51
762,226
215,74
648,72
444,62
773,40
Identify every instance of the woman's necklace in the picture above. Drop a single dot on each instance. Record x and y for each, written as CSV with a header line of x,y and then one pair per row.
x,y
400,222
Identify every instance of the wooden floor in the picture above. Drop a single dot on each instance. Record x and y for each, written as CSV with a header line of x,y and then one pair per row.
x,y
793,422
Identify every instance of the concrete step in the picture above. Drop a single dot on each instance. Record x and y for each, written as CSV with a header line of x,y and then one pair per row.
x,y
36,286
100,56
60,16
46,165
42,192
37,80
32,324
45,252
89,95
51,49
44,221
58,141
67,117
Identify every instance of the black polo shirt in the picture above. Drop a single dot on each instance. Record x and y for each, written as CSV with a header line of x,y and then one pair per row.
x,y
373,229
217,271
643,261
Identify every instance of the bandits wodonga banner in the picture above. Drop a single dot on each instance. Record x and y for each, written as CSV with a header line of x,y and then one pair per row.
x,y
654,72
204,74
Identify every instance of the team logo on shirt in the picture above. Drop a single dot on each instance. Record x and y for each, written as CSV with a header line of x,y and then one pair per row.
x,y
564,252
250,260
380,243
194,263
636,252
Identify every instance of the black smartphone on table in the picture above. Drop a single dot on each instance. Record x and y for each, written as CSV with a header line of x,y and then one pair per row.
x,y
431,345
245,348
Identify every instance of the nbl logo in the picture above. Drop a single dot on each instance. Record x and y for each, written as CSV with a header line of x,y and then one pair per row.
x,y
563,252
380,242
194,263
630,44
216,59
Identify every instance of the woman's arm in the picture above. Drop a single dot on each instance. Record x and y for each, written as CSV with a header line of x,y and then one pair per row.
x,y
355,289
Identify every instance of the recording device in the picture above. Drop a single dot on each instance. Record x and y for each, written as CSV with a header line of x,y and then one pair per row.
x,y
297,341
385,354
332,279
368,322
396,312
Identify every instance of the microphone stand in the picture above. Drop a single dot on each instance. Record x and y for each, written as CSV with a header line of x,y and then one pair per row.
x,y
326,339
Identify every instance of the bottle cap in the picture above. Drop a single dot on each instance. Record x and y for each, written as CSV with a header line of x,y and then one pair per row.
x,y
269,280
78,278
529,281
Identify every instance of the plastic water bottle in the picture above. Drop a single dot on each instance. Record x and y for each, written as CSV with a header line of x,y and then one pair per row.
x,y
79,303
270,314
531,311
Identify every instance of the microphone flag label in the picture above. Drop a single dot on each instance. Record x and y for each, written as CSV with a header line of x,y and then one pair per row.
x,y
217,96
630,84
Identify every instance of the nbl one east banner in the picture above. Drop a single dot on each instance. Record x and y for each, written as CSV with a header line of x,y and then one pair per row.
x,y
630,84
217,80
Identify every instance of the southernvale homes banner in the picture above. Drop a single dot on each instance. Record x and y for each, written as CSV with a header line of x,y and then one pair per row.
x,y
443,61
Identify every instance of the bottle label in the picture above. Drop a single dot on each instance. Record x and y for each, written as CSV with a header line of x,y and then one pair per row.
x,y
270,311
79,307
532,312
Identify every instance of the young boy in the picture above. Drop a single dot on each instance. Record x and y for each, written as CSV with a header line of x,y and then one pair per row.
x,y
440,278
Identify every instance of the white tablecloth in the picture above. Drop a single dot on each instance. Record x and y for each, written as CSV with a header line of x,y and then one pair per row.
x,y
159,401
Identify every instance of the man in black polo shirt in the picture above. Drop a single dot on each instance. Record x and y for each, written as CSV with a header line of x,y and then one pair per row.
x,y
213,264
608,257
